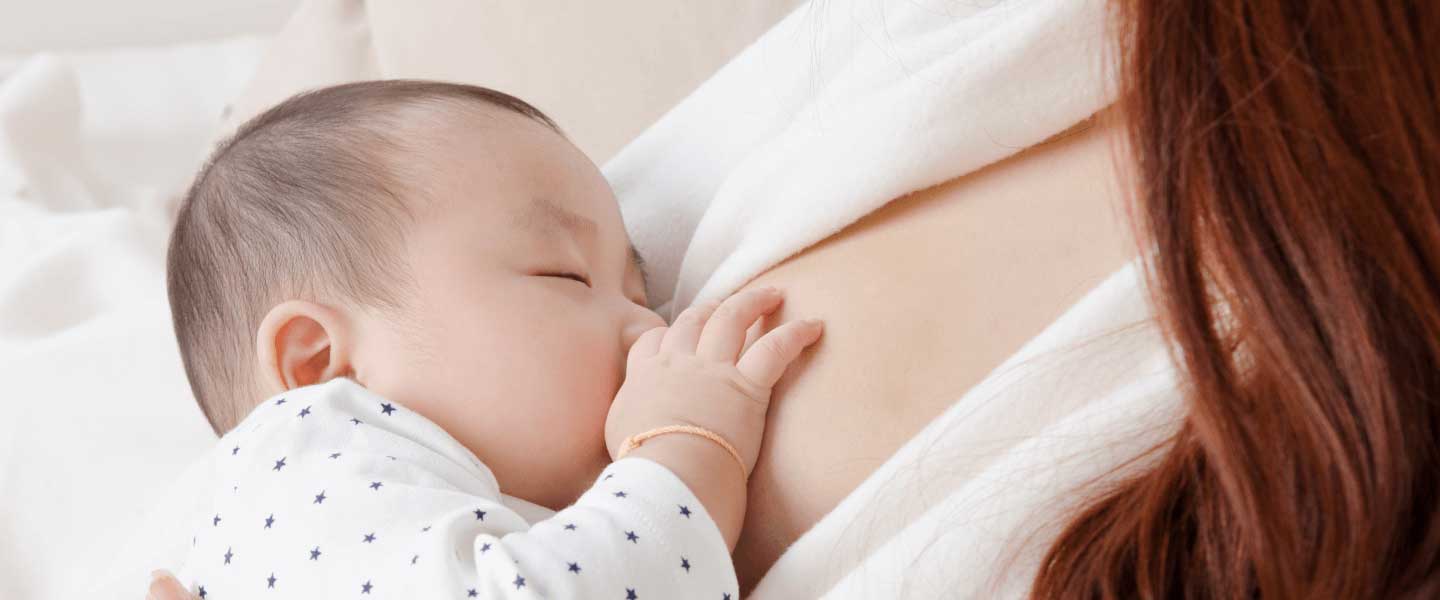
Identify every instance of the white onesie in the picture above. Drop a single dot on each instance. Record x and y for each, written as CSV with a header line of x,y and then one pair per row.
x,y
331,491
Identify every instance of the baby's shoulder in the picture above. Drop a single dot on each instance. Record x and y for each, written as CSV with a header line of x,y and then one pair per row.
x,y
341,429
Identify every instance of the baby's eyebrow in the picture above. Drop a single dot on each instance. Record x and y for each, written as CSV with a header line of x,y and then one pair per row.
x,y
544,212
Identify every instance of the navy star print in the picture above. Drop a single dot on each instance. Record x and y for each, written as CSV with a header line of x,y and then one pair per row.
x,y
563,556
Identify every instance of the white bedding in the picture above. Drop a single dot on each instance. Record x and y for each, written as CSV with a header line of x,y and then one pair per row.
x,y
841,107
97,418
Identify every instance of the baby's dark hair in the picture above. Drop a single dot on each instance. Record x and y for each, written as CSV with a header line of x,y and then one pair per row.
x,y
302,202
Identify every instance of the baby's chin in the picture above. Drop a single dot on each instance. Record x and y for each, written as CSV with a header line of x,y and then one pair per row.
x,y
579,475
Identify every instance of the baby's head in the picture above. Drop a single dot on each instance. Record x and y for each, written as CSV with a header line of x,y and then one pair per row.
x,y
443,245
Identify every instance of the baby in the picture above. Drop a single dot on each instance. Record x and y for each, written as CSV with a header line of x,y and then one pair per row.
x,y
397,300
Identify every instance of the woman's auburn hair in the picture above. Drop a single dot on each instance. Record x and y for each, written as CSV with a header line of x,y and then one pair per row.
x,y
1287,156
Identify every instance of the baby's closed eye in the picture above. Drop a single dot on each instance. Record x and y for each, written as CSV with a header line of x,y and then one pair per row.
x,y
568,275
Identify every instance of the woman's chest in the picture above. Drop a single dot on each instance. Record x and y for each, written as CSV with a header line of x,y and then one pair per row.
x,y
922,299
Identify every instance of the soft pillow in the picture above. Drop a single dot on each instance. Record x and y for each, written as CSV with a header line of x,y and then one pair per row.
x,y
603,70
326,42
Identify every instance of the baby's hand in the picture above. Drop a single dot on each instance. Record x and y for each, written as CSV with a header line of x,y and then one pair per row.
x,y
692,373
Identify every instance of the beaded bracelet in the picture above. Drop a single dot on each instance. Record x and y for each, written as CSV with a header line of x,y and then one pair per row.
x,y
634,442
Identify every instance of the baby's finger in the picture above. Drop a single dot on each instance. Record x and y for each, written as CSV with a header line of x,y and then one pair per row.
x,y
164,586
752,334
685,331
768,358
724,333
645,346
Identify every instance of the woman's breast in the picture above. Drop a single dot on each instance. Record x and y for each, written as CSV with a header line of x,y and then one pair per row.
x,y
922,299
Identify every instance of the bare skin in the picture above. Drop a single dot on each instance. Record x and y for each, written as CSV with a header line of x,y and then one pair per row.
x,y
922,299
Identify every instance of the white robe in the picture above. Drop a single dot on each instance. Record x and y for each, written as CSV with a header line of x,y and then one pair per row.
x,y
841,107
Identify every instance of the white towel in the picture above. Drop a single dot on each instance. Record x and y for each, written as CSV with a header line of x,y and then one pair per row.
x,y
843,106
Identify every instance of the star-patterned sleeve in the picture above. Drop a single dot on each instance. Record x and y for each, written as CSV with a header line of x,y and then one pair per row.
x,y
331,491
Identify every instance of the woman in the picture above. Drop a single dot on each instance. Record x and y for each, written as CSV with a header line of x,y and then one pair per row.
x,y
1281,159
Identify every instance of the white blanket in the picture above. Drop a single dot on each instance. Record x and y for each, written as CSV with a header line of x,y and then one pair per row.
x,y
97,416
843,106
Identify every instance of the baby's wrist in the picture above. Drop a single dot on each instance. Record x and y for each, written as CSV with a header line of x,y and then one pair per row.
x,y
708,470
635,441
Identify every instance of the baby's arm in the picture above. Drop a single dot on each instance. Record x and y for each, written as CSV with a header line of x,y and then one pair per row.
x,y
336,492
686,490
637,533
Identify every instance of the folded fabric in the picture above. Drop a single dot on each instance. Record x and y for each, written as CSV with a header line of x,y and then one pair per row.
x,y
841,107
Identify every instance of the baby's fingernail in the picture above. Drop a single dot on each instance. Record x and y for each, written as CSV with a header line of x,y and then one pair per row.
x,y
813,322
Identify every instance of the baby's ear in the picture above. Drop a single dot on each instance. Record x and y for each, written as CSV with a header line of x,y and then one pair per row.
x,y
302,343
